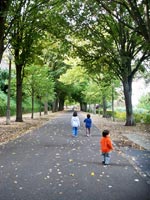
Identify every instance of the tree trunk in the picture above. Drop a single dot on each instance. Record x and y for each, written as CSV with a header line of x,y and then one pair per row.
x,y
1,37
32,115
89,108
94,111
40,102
127,86
19,93
104,106
61,104
112,98
83,106
55,105
45,108
8,96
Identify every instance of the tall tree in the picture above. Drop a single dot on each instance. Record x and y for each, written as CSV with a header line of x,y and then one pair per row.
x,y
53,55
24,35
4,8
77,80
109,41
39,84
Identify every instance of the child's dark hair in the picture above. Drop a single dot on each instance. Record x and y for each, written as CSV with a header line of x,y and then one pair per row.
x,y
88,116
75,113
105,133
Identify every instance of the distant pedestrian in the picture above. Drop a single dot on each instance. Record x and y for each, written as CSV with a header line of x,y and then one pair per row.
x,y
88,124
75,123
106,147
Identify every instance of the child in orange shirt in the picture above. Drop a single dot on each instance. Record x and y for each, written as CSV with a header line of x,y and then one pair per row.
x,y
106,147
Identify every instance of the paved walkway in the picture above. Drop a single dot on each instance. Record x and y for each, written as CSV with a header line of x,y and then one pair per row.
x,y
49,164
140,140
139,158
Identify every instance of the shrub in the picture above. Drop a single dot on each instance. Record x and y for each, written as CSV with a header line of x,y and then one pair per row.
x,y
26,105
147,118
142,117
109,113
120,115
3,105
3,101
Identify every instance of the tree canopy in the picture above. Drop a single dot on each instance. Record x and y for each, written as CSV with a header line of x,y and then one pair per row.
x,y
108,39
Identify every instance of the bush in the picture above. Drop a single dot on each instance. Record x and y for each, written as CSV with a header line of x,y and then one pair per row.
x,y
140,110
142,118
147,118
139,117
109,113
99,111
26,105
120,115
3,105
3,101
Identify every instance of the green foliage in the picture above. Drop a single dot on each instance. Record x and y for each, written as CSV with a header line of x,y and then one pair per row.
x,y
3,79
76,79
26,19
105,45
3,100
92,93
147,118
120,115
144,102
3,104
38,83
27,106
108,113
75,75
142,117
102,42
50,52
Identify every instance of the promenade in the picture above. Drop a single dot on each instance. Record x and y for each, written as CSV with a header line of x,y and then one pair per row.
x,y
49,164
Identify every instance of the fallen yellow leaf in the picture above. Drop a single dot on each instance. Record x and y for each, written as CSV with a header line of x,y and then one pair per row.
x,y
92,173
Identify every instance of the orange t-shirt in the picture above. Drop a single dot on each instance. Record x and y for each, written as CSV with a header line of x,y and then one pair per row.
x,y
106,144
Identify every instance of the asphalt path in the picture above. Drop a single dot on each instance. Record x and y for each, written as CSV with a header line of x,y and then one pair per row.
x,y
49,164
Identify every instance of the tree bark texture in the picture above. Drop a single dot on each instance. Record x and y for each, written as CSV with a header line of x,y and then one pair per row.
x,y
127,86
61,104
55,105
83,106
32,115
112,98
104,107
19,93
45,108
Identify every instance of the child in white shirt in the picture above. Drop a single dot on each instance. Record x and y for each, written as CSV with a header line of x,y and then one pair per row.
x,y
75,123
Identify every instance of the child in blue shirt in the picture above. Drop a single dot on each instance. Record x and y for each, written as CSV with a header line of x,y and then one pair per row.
x,y
88,124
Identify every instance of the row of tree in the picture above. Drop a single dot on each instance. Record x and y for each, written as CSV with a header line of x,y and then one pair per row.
x,y
115,37
111,39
